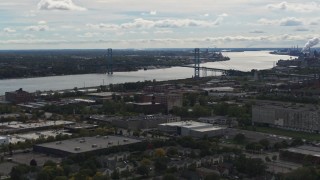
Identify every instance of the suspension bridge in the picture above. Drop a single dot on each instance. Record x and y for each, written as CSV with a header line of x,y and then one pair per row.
x,y
196,66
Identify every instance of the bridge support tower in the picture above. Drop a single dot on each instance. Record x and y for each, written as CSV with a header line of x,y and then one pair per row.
x,y
196,63
109,62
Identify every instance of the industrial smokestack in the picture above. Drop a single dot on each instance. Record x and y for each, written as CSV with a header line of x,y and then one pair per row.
x,y
312,42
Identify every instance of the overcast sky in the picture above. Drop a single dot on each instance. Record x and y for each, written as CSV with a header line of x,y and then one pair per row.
x,y
88,24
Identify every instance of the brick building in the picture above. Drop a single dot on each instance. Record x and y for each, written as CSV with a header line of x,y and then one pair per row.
x,y
19,96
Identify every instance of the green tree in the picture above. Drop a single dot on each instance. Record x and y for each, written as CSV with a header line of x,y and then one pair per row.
x,y
251,167
60,178
143,170
17,172
265,143
33,162
305,173
239,138
160,164
115,174
125,174
212,176
169,177
172,151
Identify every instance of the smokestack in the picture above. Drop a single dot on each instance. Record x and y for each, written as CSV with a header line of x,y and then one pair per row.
x,y
312,42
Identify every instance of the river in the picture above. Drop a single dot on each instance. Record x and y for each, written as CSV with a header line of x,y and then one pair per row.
x,y
244,61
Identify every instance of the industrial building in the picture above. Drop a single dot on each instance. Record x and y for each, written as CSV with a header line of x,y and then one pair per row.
x,y
301,154
144,121
148,107
192,128
299,117
219,120
18,127
19,96
84,145
169,100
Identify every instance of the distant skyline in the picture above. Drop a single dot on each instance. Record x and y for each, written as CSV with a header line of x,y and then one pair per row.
x,y
99,24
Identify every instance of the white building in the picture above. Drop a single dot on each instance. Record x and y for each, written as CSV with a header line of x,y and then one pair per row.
x,y
192,128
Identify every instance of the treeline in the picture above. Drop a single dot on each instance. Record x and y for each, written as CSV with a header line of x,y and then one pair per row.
x,y
38,64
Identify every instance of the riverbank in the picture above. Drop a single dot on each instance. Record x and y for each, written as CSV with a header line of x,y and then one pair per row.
x,y
244,61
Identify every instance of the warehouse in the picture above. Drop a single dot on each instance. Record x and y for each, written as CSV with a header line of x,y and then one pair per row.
x,y
84,145
192,128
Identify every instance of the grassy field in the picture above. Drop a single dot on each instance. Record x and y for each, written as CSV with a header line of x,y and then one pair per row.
x,y
283,132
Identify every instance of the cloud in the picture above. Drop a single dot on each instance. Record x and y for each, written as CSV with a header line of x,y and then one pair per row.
x,y
297,7
153,13
280,6
42,22
224,15
301,29
164,23
88,35
257,32
9,30
39,27
42,26
289,21
59,5
163,32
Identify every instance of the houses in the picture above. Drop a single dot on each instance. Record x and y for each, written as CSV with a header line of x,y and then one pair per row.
x,y
186,163
115,162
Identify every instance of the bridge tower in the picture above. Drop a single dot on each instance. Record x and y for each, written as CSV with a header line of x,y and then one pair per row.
x,y
196,63
109,62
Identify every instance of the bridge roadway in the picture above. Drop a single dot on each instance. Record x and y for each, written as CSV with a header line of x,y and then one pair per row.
x,y
208,69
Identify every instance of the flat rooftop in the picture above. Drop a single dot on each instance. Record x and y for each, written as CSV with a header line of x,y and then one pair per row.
x,y
88,144
307,150
214,128
102,94
188,124
219,89
20,125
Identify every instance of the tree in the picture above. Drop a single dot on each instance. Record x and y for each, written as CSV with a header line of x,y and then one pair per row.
x,y
160,152
143,170
239,138
297,142
146,162
267,158
42,175
33,162
60,178
169,177
99,176
306,173
160,164
212,176
115,174
125,174
50,163
172,151
252,167
265,143
17,172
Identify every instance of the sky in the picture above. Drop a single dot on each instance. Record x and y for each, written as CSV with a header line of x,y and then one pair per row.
x,y
101,24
